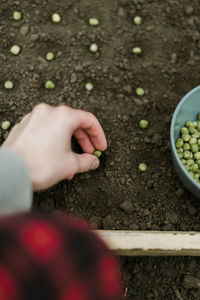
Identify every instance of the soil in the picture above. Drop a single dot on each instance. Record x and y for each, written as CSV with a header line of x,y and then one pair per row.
x,y
117,195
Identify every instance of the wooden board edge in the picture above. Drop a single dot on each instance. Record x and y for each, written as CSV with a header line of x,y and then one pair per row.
x,y
152,243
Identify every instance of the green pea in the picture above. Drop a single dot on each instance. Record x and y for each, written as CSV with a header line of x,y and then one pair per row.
x,y
197,155
50,85
180,155
184,161
193,141
17,15
137,50
179,150
139,91
49,56
94,48
187,167
196,135
194,168
8,85
188,124
89,86
190,162
192,129
144,124
186,146
187,154
179,143
197,162
137,20
97,153
184,130
142,167
5,125
194,148
186,137
191,174
93,22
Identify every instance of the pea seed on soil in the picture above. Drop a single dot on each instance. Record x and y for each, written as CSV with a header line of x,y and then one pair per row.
x,y
116,195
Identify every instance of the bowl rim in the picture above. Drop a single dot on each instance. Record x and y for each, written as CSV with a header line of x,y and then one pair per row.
x,y
172,141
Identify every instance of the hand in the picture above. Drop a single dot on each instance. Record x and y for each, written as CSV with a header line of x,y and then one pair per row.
x,y
43,140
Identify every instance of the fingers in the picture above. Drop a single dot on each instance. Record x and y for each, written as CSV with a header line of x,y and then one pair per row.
x,y
85,162
84,141
89,123
25,120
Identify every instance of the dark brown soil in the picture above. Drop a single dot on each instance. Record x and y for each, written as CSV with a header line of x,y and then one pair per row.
x,y
117,195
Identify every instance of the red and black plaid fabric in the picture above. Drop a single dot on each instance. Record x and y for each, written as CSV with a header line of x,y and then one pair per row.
x,y
51,256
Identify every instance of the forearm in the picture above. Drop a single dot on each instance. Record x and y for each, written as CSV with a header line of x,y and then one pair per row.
x,y
15,185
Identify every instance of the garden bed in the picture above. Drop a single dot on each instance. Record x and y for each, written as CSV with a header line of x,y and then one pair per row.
x,y
117,195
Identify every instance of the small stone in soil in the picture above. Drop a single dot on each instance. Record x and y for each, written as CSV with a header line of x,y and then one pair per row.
x,y
192,210
96,221
24,30
179,192
191,282
157,139
107,222
172,217
127,206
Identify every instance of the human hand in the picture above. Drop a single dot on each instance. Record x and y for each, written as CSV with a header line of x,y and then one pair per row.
x,y
43,140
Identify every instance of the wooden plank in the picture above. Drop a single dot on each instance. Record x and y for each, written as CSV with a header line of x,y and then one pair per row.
x,y
152,243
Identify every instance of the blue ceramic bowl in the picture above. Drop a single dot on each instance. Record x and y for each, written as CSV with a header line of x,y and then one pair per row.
x,y
187,110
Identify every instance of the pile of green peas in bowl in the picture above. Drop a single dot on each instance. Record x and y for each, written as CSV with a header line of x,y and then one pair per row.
x,y
188,148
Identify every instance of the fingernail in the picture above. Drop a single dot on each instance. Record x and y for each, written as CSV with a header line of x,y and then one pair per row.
x,y
95,164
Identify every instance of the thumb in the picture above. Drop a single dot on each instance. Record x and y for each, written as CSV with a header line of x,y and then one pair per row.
x,y
86,162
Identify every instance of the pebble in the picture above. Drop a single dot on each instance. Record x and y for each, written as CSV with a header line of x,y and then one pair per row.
x,y
150,28
145,212
116,80
134,226
191,282
96,221
157,139
24,30
107,222
192,210
127,89
147,140
179,192
34,37
123,180
78,68
167,227
172,217
73,78
189,9
173,57
127,206
121,12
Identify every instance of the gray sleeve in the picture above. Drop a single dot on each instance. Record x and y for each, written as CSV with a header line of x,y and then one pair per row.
x,y
15,185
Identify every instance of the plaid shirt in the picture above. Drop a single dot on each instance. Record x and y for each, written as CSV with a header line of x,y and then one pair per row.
x,y
54,257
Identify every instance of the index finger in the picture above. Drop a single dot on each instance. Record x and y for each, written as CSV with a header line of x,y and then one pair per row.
x,y
90,124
